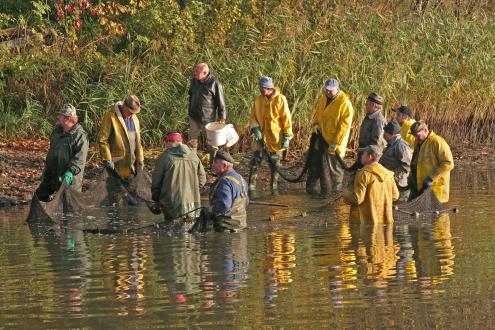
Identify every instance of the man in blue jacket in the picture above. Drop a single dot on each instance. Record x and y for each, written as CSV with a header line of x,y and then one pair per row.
x,y
228,196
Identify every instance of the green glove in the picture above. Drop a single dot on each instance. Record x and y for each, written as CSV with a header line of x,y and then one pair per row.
x,y
109,164
285,142
257,133
68,177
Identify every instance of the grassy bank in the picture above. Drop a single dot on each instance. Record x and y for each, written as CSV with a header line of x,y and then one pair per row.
x,y
438,62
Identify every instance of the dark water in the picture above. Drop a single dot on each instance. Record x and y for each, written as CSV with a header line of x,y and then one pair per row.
x,y
298,272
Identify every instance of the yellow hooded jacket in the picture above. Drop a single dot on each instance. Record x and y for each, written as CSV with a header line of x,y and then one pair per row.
x,y
335,121
113,140
273,117
374,192
435,160
404,132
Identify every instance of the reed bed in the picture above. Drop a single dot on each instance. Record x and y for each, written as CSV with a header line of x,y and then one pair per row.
x,y
435,62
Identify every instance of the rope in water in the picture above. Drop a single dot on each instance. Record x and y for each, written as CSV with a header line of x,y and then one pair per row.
x,y
311,152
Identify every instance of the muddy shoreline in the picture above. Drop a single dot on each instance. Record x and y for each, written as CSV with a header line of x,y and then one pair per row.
x,y
21,163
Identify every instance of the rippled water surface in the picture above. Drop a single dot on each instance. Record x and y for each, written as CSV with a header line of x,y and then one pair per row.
x,y
298,271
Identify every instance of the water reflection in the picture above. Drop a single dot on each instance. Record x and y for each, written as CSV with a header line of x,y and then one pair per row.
x,y
375,257
281,259
205,270
301,272
433,253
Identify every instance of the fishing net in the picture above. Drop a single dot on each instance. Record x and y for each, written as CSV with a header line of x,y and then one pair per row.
x,y
111,204
425,205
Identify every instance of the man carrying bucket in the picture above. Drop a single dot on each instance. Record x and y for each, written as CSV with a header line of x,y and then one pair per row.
x,y
271,125
206,105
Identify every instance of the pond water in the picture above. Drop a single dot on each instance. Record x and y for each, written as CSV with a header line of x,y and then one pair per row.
x,y
296,272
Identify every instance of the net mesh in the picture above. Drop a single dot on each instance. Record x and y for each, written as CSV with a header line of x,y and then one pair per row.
x,y
425,205
105,206
98,207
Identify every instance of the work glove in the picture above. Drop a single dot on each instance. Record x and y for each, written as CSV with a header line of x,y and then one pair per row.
x,y
68,177
285,142
257,133
315,129
109,164
427,183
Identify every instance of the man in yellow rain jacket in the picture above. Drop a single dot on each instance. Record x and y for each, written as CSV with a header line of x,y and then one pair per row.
x,y
271,125
120,139
332,123
405,118
431,163
374,190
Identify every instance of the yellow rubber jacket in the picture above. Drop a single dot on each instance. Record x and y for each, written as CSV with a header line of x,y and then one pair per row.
x,y
404,132
435,160
273,118
374,192
335,121
113,140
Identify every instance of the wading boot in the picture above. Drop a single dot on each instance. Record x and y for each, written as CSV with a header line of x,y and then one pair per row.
x,y
274,183
253,177
311,186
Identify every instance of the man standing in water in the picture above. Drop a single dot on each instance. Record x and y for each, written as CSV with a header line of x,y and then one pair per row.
x,y
374,190
397,157
271,125
431,163
206,105
120,138
228,196
405,119
66,157
332,124
176,180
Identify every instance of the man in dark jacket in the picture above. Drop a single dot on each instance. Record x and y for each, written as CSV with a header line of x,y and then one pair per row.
x,y
371,131
228,196
66,157
176,180
397,157
206,104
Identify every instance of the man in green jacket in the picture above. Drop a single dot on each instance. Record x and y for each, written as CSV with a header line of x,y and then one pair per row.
x,y
67,155
176,180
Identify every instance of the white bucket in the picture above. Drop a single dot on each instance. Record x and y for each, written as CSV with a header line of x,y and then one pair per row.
x,y
232,136
218,134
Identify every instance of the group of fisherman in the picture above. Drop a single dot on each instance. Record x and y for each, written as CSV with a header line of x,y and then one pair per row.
x,y
396,160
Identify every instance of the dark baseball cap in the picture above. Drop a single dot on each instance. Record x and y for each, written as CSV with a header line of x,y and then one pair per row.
x,y
392,127
223,155
404,109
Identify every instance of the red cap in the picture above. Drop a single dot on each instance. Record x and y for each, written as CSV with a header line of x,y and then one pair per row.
x,y
173,137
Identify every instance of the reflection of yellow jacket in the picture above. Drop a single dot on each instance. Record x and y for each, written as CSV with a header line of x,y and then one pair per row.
x,y
374,192
273,117
335,120
435,160
376,249
404,132
114,142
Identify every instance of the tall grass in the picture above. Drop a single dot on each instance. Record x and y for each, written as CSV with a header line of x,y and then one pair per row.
x,y
439,65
